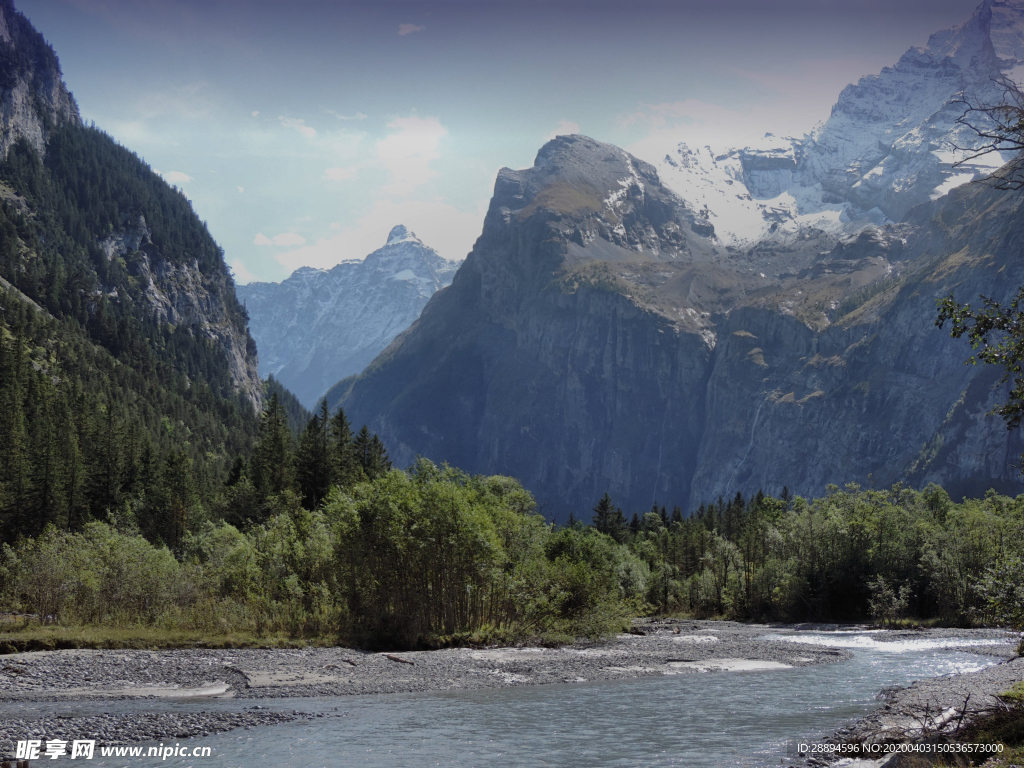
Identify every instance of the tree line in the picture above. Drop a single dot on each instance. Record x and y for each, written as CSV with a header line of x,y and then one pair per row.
x,y
850,555
404,559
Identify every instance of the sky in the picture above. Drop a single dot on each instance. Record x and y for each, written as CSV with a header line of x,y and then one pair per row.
x,y
302,131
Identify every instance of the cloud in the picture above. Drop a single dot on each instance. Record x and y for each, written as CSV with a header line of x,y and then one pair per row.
x,y
449,231
356,116
335,225
241,274
176,177
408,29
340,174
701,122
408,151
285,239
298,125
564,128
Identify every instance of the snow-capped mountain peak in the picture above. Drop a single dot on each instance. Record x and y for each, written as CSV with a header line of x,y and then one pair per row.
x,y
887,146
401,234
319,326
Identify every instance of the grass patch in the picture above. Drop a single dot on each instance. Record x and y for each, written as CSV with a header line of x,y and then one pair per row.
x,y
52,638
567,199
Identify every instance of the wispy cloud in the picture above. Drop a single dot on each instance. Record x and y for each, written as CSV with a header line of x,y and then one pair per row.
x,y
408,152
297,124
241,274
440,225
176,177
408,29
286,239
564,128
356,116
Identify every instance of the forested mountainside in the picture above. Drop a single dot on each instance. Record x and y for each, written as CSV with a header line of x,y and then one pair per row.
x,y
128,379
598,339
319,326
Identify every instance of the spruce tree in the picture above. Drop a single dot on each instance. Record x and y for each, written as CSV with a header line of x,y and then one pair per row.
x,y
271,457
604,513
370,454
347,468
313,460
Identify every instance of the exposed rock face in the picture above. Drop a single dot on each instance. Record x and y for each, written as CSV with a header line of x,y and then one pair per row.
x,y
881,395
572,348
33,96
596,340
887,146
186,295
34,104
319,326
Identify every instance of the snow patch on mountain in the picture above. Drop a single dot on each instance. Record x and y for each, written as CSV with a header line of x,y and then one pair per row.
x,y
887,146
319,326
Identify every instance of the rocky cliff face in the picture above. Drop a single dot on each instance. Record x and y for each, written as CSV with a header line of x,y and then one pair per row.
x,y
168,271
572,348
887,146
33,97
319,326
598,339
183,293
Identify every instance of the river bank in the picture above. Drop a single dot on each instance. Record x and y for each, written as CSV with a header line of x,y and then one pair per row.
x,y
193,677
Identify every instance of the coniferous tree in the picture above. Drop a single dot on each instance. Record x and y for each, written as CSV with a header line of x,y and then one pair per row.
x,y
604,514
313,460
347,468
179,498
271,457
370,453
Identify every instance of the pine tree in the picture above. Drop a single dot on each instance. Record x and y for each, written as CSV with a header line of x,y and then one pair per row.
x,y
347,469
604,514
370,454
271,457
313,460
179,498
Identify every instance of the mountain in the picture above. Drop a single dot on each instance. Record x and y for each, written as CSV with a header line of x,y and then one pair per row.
x,y
887,146
320,326
600,338
572,347
128,378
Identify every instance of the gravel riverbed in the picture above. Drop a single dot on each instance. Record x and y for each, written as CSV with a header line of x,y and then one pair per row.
x,y
657,648
666,647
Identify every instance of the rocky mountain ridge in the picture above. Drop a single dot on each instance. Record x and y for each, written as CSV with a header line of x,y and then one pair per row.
x,y
320,326
135,243
599,338
887,146
34,97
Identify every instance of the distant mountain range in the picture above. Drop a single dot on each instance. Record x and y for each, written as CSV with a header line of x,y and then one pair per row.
x,y
319,326
629,328
885,148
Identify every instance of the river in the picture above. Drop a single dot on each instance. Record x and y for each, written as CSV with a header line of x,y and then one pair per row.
x,y
696,719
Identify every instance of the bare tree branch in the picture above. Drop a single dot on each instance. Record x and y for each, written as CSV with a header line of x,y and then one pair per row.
x,y
1000,128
